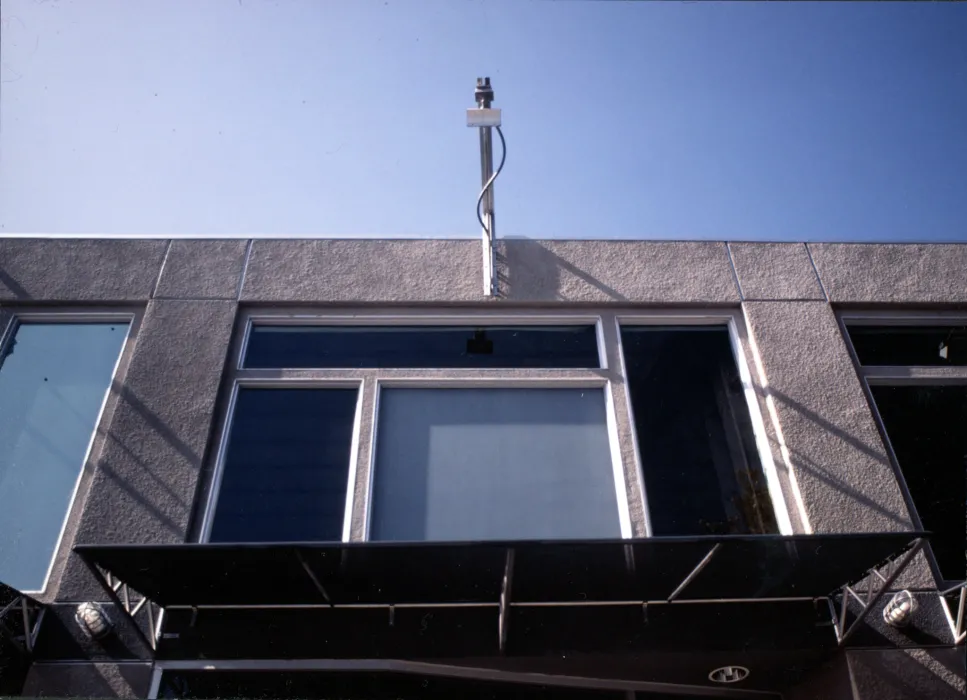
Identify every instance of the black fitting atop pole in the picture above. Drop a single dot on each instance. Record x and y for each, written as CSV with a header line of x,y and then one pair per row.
x,y
484,94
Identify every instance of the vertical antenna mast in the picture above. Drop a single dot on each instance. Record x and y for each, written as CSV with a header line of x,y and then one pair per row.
x,y
485,118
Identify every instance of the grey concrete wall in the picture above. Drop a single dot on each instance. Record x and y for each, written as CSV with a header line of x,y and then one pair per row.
x,y
615,271
834,449
892,273
85,270
144,475
79,680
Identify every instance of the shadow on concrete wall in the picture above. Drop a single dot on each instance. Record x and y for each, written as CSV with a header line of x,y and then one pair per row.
x,y
528,271
13,285
824,473
119,460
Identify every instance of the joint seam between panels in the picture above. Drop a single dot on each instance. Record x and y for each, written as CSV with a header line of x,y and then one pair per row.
x,y
735,273
161,270
819,279
167,298
798,299
241,277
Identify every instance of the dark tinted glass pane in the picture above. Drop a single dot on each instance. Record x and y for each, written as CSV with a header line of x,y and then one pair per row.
x,y
371,686
422,346
927,426
701,467
910,345
286,466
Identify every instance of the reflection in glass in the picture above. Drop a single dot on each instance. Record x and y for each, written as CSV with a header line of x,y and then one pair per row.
x,y
53,381
286,466
486,464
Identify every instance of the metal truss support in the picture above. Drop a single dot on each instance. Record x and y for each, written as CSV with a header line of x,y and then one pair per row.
x,y
130,602
504,621
695,572
874,592
28,614
956,619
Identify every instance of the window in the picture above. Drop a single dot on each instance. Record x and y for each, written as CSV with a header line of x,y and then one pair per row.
x,y
926,346
701,468
286,466
438,427
476,464
916,371
422,346
54,378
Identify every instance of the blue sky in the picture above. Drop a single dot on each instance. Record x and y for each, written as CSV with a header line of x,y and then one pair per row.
x,y
682,120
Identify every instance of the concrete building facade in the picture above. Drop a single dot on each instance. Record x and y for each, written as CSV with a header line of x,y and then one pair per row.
x,y
829,461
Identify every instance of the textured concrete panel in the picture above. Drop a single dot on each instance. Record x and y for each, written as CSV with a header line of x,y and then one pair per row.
x,y
202,270
79,270
364,271
615,271
838,459
910,674
914,273
145,478
129,680
773,271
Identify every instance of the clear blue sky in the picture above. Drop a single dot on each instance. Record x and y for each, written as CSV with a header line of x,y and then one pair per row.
x,y
782,121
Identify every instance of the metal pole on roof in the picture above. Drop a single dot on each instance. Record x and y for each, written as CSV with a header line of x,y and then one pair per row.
x,y
486,119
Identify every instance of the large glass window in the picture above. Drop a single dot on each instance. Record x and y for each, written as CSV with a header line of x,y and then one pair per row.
x,y
286,466
484,464
53,381
917,376
442,451
698,454
927,427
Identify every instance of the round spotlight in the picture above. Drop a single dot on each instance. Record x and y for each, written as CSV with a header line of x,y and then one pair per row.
x,y
899,611
93,620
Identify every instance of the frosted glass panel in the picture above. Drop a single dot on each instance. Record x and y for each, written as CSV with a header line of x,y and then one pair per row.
x,y
486,464
53,379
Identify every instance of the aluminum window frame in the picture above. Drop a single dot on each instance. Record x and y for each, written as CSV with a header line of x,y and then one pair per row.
x,y
739,342
132,318
608,376
904,375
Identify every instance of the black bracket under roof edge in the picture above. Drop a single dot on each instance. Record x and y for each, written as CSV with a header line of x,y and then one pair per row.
x,y
130,602
875,591
29,614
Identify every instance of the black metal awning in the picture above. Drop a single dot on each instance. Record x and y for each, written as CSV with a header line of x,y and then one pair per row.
x,y
657,569
536,575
